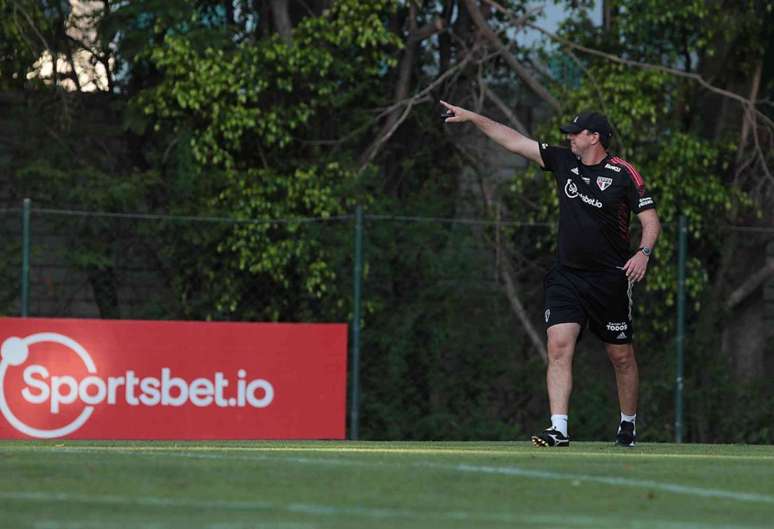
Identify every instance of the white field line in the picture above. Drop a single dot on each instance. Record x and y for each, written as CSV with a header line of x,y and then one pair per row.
x,y
304,509
577,479
318,510
494,451
528,473
147,524
511,471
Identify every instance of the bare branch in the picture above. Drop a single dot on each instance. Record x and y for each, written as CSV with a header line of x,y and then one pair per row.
x,y
382,139
18,7
420,96
405,68
518,308
451,72
520,70
748,122
403,85
428,30
746,162
762,154
750,285
746,103
504,269
499,103
480,96
47,47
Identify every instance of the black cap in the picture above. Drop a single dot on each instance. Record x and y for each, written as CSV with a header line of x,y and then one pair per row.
x,y
591,121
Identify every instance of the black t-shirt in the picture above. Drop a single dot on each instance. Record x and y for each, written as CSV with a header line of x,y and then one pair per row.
x,y
595,202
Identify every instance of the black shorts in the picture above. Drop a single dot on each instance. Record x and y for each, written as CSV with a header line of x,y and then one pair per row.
x,y
603,299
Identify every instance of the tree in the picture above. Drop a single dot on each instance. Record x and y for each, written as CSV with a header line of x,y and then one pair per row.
x,y
253,114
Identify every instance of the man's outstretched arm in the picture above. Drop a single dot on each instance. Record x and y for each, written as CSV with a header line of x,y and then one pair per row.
x,y
505,136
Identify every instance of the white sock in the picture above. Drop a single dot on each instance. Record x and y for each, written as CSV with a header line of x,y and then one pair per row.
x,y
559,422
629,418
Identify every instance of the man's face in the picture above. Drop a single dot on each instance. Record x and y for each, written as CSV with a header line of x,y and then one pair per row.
x,y
581,141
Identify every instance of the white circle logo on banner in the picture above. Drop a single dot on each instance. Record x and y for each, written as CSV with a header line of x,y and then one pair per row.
x,y
14,352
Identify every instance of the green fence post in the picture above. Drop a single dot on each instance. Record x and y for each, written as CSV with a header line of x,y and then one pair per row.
x,y
682,251
354,410
25,275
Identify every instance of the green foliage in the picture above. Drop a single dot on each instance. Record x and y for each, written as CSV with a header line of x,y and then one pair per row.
x,y
22,24
251,113
660,32
432,369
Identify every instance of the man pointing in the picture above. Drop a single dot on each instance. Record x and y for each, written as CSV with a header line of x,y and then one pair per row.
x,y
590,282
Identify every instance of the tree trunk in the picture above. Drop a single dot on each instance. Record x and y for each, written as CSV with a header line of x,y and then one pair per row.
x,y
281,16
749,118
403,84
745,328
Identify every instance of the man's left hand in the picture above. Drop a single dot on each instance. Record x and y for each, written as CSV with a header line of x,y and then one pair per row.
x,y
636,267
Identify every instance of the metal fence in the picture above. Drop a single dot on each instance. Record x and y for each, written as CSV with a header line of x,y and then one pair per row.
x,y
426,299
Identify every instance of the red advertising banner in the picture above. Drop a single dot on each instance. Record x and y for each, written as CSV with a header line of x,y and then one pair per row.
x,y
107,379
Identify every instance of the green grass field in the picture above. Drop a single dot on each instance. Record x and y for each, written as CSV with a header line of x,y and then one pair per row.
x,y
337,485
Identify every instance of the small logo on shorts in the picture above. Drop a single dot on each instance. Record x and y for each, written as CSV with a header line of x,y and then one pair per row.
x,y
621,336
548,314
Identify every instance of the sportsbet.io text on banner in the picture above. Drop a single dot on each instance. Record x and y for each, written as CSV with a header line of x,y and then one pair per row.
x,y
105,379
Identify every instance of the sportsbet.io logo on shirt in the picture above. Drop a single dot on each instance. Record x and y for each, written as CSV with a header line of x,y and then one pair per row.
x,y
571,190
54,390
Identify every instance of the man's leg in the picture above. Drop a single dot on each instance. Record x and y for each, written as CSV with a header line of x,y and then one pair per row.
x,y
626,375
561,347
627,379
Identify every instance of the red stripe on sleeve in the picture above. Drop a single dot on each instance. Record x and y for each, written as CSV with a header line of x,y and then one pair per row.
x,y
633,173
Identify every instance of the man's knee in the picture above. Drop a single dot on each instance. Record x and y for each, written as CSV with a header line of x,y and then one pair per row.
x,y
621,356
561,341
560,348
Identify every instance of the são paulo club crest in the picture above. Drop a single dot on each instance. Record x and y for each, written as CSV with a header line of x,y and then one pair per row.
x,y
604,182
